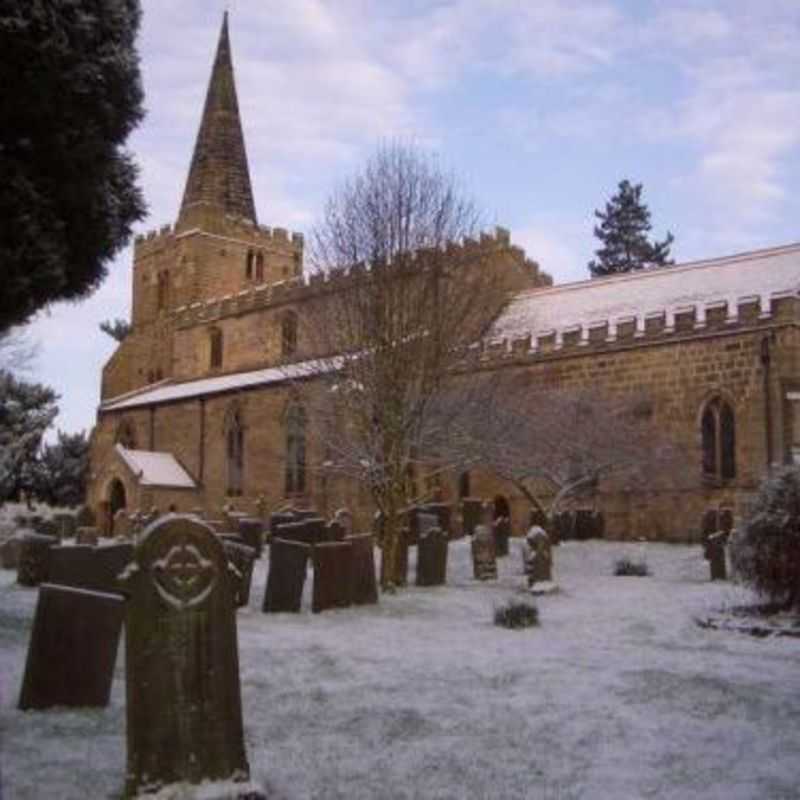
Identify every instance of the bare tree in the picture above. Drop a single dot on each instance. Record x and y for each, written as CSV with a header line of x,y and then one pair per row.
x,y
392,328
554,445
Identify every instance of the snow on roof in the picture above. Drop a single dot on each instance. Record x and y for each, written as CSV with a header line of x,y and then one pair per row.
x,y
224,383
758,275
156,469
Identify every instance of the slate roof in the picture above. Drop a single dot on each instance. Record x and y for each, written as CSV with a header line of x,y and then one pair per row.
x,y
156,469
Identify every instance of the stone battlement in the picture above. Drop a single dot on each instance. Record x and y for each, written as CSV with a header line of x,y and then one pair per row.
x,y
233,227
686,321
301,287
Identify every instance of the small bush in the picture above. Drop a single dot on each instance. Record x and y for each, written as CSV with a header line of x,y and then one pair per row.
x,y
516,614
627,566
765,550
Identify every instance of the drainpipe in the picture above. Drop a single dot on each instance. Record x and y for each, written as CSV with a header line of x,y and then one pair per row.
x,y
766,358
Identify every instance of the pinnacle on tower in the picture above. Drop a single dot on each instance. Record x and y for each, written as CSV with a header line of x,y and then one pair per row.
x,y
219,177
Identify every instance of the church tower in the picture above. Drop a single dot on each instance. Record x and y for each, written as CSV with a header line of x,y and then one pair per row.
x,y
215,250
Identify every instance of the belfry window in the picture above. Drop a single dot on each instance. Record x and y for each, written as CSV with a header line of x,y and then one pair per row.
x,y
248,270
126,435
718,431
260,267
234,441
215,342
163,290
289,334
295,450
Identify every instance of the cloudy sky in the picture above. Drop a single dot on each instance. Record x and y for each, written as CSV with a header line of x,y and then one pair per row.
x,y
541,108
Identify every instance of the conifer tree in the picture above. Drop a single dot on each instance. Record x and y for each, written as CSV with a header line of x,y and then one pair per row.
x,y
623,231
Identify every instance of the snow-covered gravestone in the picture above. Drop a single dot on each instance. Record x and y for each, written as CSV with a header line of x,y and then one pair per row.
x,y
431,555
537,556
184,708
484,558
471,508
502,533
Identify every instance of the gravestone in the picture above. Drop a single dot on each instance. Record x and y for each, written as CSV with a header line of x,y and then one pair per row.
x,y
442,512
484,560
242,557
432,557
9,552
333,572
72,649
471,510
34,558
537,555
364,583
184,708
72,565
716,555
288,561
335,532
502,533
279,518
87,535
47,527
251,529
111,560
123,527
345,519
85,518
708,525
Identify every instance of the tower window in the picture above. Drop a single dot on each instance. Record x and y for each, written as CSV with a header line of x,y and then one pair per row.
x,y
260,267
163,290
289,334
718,431
215,359
234,436
248,270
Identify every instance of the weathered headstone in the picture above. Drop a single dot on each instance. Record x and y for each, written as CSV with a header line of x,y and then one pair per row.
x,y
708,525
47,526
72,649
365,584
484,560
334,532
432,557
442,512
72,565
251,529
184,707
287,574
502,533
716,556
537,555
87,535
123,527
111,560
279,518
242,557
9,551
333,572
67,525
34,559
345,519
85,518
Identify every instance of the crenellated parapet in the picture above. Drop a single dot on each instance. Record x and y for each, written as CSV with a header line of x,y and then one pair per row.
x,y
300,288
733,314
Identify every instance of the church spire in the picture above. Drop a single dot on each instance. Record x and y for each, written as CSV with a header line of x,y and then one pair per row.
x,y
219,177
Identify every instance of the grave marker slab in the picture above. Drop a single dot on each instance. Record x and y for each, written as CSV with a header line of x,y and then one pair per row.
x,y
72,565
34,558
432,557
471,509
287,574
251,529
111,560
67,526
72,649
184,706
502,533
243,558
9,552
333,575
484,561
87,535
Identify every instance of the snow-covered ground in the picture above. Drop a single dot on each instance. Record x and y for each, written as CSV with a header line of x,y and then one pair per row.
x,y
618,694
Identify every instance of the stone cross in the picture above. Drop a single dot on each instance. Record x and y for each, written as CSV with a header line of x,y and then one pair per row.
x,y
184,707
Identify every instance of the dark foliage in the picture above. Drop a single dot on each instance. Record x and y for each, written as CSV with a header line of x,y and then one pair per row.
x,y
623,230
61,471
627,566
516,614
765,551
26,411
71,95
117,329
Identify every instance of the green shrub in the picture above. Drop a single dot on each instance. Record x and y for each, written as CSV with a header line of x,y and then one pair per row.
x,y
765,550
627,566
516,614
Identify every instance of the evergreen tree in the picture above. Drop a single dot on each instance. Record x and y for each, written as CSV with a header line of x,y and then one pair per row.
x,y
61,470
623,230
26,411
71,95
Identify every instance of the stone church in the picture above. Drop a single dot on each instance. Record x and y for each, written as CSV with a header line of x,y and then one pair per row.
x,y
197,408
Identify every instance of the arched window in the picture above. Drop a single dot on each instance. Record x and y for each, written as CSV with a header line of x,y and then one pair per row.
x,y
718,431
463,484
234,449
295,450
126,434
289,334
260,267
248,270
215,341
